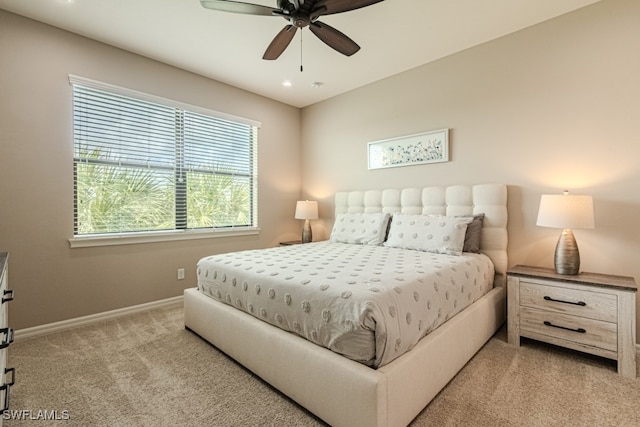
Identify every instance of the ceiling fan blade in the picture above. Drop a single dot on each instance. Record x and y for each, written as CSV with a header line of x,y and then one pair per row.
x,y
239,7
334,38
280,43
328,7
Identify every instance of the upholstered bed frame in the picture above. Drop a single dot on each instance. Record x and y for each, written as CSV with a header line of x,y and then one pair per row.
x,y
346,393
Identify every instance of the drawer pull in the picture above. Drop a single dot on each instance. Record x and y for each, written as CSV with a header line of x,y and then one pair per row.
x,y
6,387
6,298
580,303
580,330
8,337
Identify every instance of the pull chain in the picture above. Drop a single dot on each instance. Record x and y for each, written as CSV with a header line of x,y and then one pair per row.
x,y
301,68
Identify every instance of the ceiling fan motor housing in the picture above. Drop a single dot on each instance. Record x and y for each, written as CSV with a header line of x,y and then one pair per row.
x,y
300,19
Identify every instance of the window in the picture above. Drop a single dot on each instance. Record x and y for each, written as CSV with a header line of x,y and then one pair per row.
x,y
147,164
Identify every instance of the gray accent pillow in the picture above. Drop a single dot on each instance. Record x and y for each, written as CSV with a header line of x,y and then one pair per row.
x,y
472,236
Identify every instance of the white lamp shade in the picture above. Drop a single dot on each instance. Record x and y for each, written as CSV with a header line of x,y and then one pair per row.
x,y
566,211
306,210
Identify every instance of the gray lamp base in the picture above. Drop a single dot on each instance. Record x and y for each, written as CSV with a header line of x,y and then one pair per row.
x,y
306,232
567,256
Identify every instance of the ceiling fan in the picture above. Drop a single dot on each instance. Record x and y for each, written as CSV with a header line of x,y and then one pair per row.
x,y
300,14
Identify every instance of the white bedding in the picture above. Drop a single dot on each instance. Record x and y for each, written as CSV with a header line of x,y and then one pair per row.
x,y
368,303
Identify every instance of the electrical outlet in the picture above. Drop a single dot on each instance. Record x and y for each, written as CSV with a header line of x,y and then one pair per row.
x,y
180,273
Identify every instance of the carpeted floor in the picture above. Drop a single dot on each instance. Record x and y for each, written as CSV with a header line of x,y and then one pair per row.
x,y
147,370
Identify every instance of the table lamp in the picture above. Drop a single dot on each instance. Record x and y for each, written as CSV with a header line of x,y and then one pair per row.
x,y
306,210
567,212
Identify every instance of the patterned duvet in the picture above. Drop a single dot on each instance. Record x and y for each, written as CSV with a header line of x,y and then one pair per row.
x,y
368,303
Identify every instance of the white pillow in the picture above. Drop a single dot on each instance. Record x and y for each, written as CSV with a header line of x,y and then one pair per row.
x,y
429,233
360,228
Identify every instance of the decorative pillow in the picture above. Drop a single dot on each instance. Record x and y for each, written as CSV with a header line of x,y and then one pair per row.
x,y
429,233
360,228
472,236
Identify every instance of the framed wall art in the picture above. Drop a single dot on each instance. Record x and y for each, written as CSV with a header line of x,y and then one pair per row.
x,y
427,147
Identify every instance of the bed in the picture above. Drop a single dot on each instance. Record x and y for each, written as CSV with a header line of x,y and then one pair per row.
x,y
387,385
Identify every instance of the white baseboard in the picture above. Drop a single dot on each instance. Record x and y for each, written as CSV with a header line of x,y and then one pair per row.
x,y
92,318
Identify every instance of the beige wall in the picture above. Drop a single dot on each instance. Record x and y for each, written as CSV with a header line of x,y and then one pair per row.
x,y
53,282
552,107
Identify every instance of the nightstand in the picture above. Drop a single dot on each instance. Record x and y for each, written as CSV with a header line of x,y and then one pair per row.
x,y
589,312
291,242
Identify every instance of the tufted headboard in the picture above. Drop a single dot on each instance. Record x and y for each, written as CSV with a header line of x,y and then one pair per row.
x,y
490,199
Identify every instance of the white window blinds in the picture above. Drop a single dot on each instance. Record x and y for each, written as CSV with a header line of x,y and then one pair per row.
x,y
143,163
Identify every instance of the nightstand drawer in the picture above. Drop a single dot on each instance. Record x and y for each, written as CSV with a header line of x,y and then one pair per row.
x,y
575,302
589,332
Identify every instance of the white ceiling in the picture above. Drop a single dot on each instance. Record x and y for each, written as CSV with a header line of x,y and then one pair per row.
x,y
395,35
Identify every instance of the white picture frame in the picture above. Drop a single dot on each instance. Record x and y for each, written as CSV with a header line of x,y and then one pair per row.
x,y
421,148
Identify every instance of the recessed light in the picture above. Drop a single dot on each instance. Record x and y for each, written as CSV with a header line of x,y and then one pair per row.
x,y
287,83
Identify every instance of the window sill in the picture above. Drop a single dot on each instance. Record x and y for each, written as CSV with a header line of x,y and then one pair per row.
x,y
154,237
